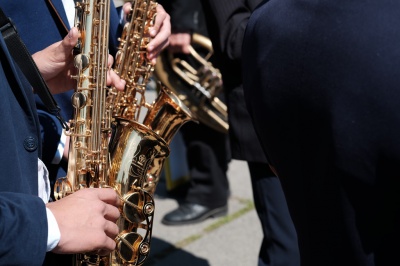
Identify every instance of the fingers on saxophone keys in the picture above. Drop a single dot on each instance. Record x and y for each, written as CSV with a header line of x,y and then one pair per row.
x,y
110,61
114,80
106,240
102,239
111,213
111,229
110,196
108,246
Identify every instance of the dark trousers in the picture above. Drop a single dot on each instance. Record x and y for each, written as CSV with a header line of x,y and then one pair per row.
x,y
279,246
208,158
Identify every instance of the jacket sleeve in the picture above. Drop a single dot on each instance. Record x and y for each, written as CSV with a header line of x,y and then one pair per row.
x,y
231,17
23,229
186,15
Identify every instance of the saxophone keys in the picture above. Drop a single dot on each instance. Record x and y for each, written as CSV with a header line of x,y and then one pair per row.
x,y
81,61
128,247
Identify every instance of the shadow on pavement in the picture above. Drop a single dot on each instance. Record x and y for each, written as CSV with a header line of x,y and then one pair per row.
x,y
163,253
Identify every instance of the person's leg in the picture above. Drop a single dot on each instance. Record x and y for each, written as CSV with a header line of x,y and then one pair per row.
x,y
208,190
279,246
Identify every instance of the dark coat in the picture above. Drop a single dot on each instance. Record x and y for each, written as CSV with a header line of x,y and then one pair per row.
x,y
186,15
322,85
226,32
23,221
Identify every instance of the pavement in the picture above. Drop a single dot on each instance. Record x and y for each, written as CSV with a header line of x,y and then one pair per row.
x,y
234,239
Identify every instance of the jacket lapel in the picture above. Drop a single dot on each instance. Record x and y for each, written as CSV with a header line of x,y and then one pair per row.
x,y
59,12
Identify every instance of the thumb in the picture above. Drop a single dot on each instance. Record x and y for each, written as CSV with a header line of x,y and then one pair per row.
x,y
62,54
63,49
69,42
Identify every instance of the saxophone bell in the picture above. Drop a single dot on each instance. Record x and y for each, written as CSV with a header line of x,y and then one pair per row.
x,y
167,114
137,152
133,147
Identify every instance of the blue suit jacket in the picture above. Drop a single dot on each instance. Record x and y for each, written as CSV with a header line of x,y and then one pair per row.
x,y
23,223
41,23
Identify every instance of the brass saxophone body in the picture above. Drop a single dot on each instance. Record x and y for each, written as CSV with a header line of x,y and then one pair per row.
x,y
131,63
140,139
111,143
90,127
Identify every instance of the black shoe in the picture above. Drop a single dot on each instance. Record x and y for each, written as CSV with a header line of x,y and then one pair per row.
x,y
190,213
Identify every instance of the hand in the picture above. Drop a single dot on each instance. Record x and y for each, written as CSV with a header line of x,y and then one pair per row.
x,y
86,220
179,42
56,65
160,32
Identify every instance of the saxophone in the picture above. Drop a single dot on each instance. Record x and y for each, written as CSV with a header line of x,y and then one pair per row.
x,y
90,127
141,135
110,147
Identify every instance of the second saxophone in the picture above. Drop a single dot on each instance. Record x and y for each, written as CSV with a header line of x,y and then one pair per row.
x,y
142,132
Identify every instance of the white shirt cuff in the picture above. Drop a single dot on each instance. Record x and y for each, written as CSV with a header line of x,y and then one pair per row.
x,y
43,182
53,235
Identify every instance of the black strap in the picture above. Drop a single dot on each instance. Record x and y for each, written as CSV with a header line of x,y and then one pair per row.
x,y
25,62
